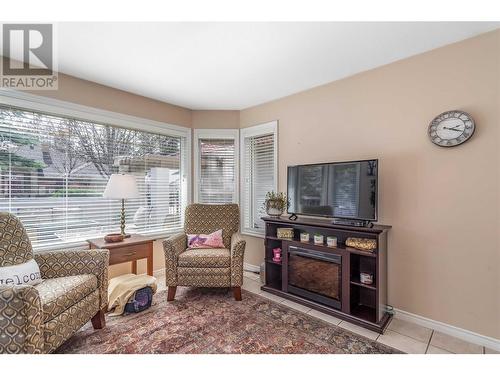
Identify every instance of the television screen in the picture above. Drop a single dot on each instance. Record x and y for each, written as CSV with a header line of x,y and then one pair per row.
x,y
340,190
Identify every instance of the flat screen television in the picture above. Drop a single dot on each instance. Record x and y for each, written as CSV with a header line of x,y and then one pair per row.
x,y
344,190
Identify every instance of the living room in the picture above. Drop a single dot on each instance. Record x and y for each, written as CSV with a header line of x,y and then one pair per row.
x,y
339,197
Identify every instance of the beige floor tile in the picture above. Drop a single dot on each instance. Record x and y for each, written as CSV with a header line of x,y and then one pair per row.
x,y
490,351
295,306
327,318
454,345
401,342
272,297
412,330
251,275
251,285
435,350
359,330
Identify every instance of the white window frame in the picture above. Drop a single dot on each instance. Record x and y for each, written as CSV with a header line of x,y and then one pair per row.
x,y
215,134
52,106
255,131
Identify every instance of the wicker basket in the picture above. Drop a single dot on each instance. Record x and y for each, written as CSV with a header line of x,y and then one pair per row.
x,y
363,244
285,233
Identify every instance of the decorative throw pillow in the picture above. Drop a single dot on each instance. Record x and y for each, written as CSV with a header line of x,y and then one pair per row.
x,y
24,273
212,240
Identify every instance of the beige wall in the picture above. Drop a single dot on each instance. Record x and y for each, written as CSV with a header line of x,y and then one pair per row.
x,y
216,119
443,203
75,90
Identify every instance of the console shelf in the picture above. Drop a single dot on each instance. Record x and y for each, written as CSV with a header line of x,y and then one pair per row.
x,y
273,262
357,303
357,283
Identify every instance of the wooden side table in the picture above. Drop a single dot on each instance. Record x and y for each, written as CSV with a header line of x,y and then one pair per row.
x,y
129,250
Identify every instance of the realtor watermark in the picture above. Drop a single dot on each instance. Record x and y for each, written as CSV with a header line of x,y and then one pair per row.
x,y
28,57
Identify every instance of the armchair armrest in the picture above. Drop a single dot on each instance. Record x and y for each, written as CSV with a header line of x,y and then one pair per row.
x,y
77,262
172,247
21,320
237,253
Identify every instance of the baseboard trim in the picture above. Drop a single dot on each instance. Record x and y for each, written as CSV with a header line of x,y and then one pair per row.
x,y
159,273
457,332
251,268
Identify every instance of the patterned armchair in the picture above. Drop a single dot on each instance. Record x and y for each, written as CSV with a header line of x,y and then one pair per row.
x,y
38,319
206,267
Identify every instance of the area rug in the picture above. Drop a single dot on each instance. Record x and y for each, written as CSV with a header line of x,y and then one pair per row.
x,y
210,321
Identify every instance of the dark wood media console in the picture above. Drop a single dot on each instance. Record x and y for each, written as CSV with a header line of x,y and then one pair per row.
x,y
346,296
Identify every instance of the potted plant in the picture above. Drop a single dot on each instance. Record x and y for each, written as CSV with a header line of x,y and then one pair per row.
x,y
318,239
275,203
304,237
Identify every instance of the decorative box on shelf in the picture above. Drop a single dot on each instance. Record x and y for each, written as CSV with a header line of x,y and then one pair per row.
x,y
363,244
284,233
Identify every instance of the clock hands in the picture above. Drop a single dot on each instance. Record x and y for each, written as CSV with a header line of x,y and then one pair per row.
x,y
454,128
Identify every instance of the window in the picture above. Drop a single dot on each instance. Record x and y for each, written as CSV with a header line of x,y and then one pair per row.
x,y
259,173
216,166
53,171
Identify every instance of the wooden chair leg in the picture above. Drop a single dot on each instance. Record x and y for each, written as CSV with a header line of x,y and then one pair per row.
x,y
171,293
237,293
99,320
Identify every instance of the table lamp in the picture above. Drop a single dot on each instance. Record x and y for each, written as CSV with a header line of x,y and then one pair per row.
x,y
121,186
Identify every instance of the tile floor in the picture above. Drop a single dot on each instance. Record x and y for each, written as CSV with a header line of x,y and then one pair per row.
x,y
405,336
402,335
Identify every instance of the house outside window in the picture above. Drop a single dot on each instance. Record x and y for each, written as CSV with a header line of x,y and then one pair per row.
x,y
216,165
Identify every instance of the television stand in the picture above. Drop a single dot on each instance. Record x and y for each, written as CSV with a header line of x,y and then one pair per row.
x,y
353,222
336,271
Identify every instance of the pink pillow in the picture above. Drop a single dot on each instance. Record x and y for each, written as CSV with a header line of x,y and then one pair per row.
x,y
212,240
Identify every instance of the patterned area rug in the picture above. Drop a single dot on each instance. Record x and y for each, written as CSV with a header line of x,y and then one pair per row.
x,y
210,321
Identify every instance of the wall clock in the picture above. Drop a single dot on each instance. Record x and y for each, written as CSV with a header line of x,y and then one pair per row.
x,y
451,128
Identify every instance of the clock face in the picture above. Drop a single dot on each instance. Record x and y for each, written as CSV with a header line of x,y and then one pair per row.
x,y
451,128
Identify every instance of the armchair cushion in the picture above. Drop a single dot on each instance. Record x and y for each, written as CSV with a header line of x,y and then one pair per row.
x,y
59,294
206,258
77,262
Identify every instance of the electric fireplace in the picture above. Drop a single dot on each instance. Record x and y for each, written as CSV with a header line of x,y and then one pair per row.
x,y
315,275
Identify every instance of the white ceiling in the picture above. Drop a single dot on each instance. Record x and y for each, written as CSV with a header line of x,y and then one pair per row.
x,y
238,65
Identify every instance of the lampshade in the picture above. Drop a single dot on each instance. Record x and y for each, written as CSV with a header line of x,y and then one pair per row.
x,y
121,186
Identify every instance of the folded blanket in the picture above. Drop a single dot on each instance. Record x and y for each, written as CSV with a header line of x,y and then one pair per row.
x,y
121,288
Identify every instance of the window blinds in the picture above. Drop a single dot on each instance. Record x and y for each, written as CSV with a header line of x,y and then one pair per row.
x,y
53,171
346,189
217,171
259,178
